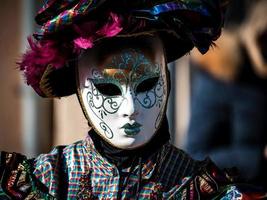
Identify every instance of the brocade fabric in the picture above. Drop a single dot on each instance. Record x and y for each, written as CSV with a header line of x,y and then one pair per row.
x,y
78,171
91,176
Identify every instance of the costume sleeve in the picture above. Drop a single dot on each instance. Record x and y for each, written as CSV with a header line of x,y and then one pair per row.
x,y
16,179
50,169
209,182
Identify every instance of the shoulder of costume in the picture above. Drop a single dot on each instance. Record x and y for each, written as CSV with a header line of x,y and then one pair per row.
x,y
182,157
210,182
58,154
17,180
175,162
57,158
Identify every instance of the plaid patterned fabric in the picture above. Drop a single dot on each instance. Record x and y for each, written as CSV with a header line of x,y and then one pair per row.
x,y
90,176
77,171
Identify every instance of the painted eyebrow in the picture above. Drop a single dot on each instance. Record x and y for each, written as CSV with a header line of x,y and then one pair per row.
x,y
108,80
105,80
148,76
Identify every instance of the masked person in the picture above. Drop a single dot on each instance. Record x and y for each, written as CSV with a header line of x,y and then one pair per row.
x,y
113,55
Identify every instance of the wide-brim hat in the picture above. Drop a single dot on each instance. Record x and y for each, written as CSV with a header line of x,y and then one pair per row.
x,y
67,27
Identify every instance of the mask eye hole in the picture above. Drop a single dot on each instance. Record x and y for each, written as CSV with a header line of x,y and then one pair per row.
x,y
147,85
108,89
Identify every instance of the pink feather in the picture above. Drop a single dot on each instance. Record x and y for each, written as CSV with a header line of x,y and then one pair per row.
x,y
112,28
88,32
37,58
83,43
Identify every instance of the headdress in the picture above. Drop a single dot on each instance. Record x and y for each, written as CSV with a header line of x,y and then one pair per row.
x,y
69,26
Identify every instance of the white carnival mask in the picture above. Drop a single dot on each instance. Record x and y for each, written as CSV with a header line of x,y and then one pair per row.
x,y
124,95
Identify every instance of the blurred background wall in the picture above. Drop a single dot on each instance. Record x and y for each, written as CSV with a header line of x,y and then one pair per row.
x,y
10,100
25,119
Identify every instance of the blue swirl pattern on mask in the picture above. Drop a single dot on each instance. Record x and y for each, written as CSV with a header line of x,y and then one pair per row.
x,y
139,69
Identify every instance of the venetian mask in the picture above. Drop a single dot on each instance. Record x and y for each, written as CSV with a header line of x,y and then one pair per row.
x,y
124,93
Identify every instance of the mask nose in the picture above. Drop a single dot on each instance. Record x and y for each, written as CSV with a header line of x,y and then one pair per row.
x,y
128,107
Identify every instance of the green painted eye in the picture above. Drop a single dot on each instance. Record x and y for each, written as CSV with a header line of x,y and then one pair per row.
x,y
147,85
108,89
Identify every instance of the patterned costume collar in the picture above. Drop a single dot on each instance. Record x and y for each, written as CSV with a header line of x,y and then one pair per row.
x,y
148,165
